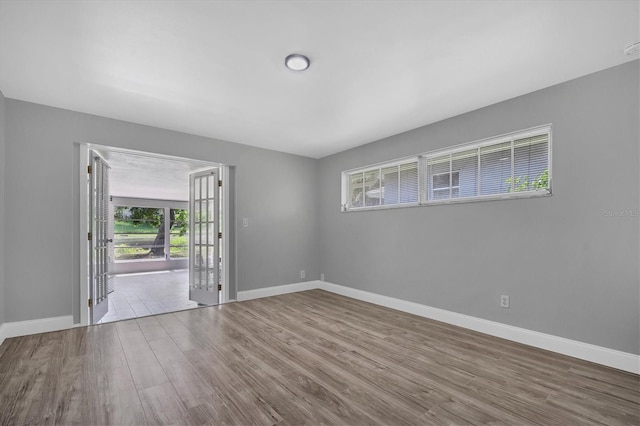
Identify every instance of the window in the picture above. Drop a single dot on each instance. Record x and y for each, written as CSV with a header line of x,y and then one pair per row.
x,y
179,234
140,234
384,185
498,167
509,166
445,185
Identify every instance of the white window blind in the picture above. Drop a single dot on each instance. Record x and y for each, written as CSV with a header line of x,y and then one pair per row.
x,y
384,185
531,164
508,166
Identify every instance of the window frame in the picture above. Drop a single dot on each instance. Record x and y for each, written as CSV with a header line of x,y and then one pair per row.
x,y
449,187
422,159
346,175
164,205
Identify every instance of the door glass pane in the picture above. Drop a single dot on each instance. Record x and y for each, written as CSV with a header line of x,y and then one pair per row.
x,y
211,278
212,231
197,237
211,185
196,276
196,211
210,210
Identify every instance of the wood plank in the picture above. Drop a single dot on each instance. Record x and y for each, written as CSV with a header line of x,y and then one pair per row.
x,y
118,399
309,357
162,406
151,328
186,381
145,368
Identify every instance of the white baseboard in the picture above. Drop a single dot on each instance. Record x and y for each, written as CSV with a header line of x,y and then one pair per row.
x,y
586,351
42,325
276,290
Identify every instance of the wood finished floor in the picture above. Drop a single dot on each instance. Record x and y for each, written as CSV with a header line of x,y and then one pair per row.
x,y
304,358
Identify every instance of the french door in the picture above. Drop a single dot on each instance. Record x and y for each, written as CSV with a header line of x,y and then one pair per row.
x,y
99,254
205,234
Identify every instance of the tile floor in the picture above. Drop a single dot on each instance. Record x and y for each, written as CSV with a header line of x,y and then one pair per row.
x,y
138,295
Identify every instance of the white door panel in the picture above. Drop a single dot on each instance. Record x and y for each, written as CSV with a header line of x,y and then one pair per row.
x,y
99,259
204,239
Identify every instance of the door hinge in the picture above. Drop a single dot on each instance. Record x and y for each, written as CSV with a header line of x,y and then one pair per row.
x,y
89,236
89,169
219,235
219,287
219,183
91,303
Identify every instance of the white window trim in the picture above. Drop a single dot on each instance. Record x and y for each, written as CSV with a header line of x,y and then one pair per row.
x,y
422,161
382,165
378,166
164,205
492,197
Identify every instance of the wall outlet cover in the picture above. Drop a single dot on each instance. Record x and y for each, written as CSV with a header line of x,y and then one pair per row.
x,y
504,301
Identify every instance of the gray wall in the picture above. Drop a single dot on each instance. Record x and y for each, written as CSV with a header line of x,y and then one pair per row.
x,y
276,191
570,268
2,181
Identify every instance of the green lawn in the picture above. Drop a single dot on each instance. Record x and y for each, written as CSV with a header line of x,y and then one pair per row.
x,y
136,245
128,227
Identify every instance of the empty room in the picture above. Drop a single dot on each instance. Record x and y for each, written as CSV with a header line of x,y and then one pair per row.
x,y
320,212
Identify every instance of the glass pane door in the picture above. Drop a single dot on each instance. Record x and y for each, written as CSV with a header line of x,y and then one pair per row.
x,y
204,257
99,258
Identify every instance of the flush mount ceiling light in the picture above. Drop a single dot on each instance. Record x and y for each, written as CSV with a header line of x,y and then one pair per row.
x,y
297,62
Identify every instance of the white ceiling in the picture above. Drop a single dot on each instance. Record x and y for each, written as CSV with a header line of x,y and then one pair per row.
x,y
141,175
378,68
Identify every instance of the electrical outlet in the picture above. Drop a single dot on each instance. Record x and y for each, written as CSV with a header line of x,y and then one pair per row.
x,y
504,301
321,277
303,274
245,222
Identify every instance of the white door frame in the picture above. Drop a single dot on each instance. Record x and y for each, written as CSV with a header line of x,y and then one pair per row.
x,y
84,219
85,280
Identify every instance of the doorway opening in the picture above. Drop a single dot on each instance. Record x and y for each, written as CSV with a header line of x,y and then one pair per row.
x,y
156,234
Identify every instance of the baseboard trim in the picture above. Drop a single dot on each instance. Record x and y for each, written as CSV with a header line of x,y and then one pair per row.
x,y
42,325
585,351
276,290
